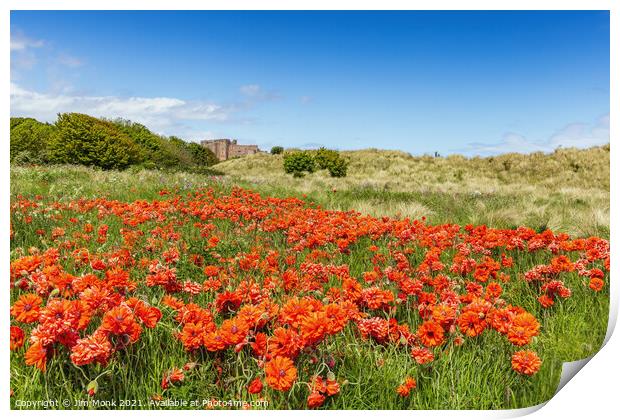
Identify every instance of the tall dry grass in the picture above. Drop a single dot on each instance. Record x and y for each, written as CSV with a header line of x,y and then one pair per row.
x,y
567,190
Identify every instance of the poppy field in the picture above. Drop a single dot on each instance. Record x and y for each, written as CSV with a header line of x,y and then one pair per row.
x,y
144,289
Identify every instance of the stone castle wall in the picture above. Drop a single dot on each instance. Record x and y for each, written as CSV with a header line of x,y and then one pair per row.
x,y
226,149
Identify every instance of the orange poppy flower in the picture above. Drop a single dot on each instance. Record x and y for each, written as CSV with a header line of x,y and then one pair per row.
x,y
444,314
36,356
501,320
17,337
234,331
405,388
284,342
524,326
315,399
332,387
26,309
546,301
596,284
281,373
430,334
192,335
422,355
313,327
120,321
172,376
526,362
256,386
471,324
214,341
94,348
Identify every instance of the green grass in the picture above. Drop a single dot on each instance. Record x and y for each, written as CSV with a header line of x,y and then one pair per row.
x,y
567,190
476,375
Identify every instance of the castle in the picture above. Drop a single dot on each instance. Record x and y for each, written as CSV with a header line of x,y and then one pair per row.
x,y
227,148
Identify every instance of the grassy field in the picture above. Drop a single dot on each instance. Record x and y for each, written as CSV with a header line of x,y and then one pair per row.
x,y
567,192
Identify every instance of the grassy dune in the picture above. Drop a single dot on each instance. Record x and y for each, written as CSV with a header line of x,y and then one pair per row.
x,y
567,190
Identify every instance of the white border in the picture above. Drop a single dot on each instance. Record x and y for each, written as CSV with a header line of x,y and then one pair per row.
x,y
592,395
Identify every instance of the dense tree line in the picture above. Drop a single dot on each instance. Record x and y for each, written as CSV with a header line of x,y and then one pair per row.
x,y
108,144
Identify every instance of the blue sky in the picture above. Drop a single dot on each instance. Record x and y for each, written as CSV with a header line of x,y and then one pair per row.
x,y
454,82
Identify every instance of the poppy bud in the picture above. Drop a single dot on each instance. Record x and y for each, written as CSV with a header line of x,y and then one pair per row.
x,y
331,362
92,387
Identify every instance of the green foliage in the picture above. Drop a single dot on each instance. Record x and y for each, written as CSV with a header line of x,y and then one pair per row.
x,y
156,149
331,160
108,144
277,150
202,156
166,152
30,140
299,162
324,157
85,140
338,168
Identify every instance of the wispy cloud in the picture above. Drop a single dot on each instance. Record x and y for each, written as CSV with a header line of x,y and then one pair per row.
x,y
255,92
578,135
20,42
163,114
306,99
23,55
69,60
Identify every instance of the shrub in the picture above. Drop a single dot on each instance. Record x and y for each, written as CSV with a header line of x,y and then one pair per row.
x,y
338,168
85,140
277,150
332,161
324,157
30,140
298,163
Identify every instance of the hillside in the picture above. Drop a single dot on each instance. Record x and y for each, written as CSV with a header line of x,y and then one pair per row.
x,y
567,190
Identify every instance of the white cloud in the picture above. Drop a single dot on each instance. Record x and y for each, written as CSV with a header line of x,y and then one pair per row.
x,y
23,53
161,114
578,135
19,42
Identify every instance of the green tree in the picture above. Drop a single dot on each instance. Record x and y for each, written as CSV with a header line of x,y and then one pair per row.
x,y
157,151
277,150
202,155
30,140
82,139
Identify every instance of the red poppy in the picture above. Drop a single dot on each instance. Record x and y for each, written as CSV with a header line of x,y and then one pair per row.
x,y
281,373
430,334
26,309
256,386
526,362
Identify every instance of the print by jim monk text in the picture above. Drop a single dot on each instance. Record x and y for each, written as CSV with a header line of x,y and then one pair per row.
x,y
133,403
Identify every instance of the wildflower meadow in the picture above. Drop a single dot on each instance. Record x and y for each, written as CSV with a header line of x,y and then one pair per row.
x,y
142,289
